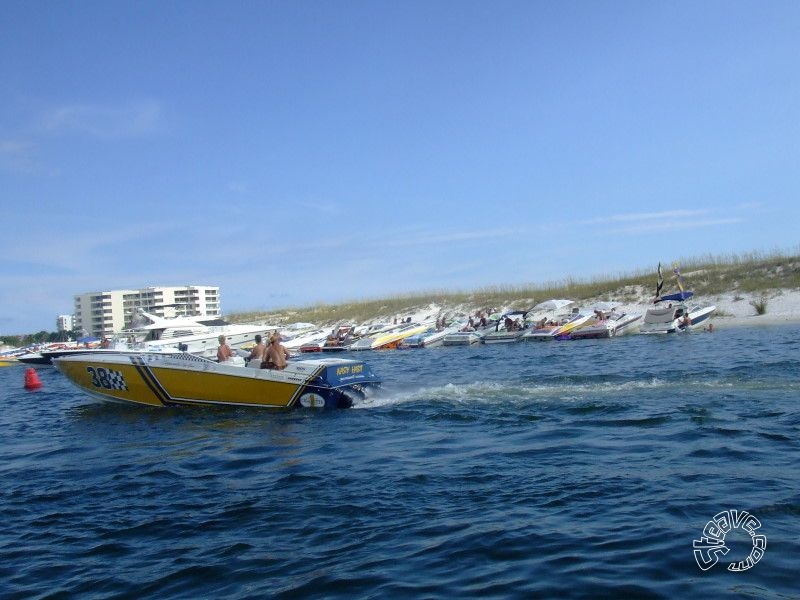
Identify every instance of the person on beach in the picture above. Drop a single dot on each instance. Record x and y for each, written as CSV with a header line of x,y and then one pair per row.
x,y
224,352
277,354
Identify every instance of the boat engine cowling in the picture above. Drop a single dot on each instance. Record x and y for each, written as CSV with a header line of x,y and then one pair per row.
x,y
340,385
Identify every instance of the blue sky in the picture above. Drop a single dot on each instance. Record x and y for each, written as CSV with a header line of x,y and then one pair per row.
x,y
302,152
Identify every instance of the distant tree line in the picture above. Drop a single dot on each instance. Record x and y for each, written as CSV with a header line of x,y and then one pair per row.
x,y
42,337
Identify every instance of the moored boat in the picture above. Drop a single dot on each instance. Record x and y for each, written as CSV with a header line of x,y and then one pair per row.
x,y
197,335
33,358
432,337
509,328
676,316
546,317
556,330
294,340
186,379
606,323
610,326
670,313
390,339
462,338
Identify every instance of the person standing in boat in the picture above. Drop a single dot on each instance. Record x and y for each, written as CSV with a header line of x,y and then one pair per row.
x,y
277,354
224,352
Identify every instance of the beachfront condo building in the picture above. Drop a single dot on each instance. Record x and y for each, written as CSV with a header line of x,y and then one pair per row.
x,y
108,312
64,323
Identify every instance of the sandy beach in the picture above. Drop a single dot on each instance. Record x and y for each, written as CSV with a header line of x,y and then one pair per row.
x,y
783,306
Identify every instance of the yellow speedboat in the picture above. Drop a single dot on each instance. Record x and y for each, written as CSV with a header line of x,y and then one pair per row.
x,y
185,379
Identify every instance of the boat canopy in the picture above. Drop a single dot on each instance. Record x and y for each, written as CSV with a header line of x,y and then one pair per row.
x,y
676,297
554,304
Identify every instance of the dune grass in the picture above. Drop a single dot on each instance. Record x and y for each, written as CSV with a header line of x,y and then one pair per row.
x,y
705,275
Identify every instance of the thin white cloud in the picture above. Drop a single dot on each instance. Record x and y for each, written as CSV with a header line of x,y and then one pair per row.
x,y
668,220
651,216
105,122
674,225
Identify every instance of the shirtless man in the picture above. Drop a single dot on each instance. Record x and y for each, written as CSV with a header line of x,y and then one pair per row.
x,y
224,351
276,353
258,353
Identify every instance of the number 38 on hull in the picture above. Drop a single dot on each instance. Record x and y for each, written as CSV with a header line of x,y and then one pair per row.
x,y
184,379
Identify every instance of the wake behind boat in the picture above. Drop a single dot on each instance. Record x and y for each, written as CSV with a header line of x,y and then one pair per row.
x,y
186,379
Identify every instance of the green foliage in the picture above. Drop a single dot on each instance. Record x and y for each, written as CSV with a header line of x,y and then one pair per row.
x,y
41,337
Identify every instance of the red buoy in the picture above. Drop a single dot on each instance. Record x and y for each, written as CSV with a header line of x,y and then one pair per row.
x,y
32,381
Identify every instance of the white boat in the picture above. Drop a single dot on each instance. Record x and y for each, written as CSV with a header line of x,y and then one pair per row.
x,y
673,315
509,328
43,355
545,318
462,338
296,341
196,335
558,329
374,329
432,337
185,379
389,339
607,325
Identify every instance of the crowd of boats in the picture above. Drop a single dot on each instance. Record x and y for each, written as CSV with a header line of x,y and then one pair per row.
x,y
173,361
556,319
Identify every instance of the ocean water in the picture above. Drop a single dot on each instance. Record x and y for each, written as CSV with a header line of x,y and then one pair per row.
x,y
582,469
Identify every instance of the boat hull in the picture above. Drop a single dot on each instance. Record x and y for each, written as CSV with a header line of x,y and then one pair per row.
x,y
607,328
670,319
185,379
539,335
502,337
34,358
462,338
